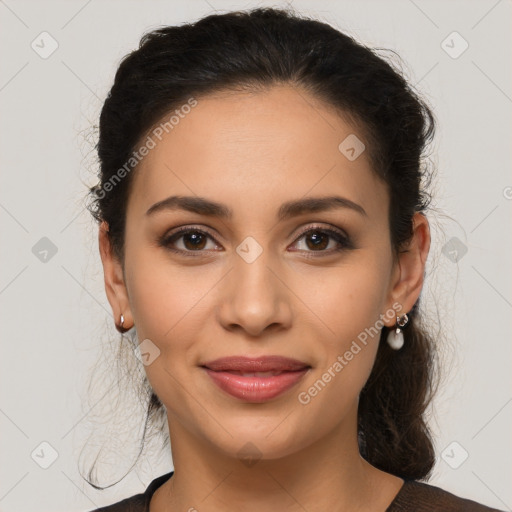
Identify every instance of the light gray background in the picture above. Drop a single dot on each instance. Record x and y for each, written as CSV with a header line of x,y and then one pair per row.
x,y
55,316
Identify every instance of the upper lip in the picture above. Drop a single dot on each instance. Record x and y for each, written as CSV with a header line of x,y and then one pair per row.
x,y
258,364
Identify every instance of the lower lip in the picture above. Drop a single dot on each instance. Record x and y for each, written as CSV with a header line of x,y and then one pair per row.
x,y
255,389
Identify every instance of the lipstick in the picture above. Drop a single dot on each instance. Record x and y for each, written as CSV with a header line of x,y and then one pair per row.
x,y
256,380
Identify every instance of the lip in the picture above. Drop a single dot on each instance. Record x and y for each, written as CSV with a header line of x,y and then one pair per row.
x,y
256,364
227,372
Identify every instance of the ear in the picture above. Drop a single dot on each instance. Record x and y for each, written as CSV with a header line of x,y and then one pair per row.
x,y
114,280
408,275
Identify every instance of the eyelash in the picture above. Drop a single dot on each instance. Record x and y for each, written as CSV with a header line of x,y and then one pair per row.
x,y
344,242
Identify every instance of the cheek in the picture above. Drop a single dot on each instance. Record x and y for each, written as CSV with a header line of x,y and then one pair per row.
x,y
347,304
168,304
165,303
164,298
333,388
345,300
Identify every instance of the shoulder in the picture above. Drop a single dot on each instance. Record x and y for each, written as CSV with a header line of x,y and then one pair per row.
x,y
422,497
137,502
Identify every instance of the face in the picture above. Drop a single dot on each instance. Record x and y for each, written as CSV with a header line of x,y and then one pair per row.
x,y
311,285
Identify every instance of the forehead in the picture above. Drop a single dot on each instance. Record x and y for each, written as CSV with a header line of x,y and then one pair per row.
x,y
279,144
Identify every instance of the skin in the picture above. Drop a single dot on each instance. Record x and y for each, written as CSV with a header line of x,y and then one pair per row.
x,y
252,152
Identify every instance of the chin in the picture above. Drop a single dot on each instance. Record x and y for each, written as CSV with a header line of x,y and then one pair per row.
x,y
267,440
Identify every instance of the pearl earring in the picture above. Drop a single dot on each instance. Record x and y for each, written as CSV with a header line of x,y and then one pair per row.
x,y
396,336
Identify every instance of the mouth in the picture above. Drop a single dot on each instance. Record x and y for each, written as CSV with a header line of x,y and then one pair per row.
x,y
256,380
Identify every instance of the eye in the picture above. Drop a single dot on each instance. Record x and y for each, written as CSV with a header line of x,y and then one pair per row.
x,y
193,240
317,239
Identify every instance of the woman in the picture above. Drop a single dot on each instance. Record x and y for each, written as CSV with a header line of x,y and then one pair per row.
x,y
262,208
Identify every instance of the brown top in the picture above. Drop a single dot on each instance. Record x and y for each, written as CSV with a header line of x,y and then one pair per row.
x,y
413,496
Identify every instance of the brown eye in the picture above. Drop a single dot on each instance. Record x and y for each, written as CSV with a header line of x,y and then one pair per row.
x,y
318,240
187,240
193,240
323,241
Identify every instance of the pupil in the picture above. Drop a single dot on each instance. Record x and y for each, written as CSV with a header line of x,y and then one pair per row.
x,y
195,239
317,239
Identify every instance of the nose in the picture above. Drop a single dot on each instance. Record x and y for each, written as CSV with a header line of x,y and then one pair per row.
x,y
255,297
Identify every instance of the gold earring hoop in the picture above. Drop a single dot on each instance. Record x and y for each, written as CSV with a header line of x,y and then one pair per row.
x,y
120,326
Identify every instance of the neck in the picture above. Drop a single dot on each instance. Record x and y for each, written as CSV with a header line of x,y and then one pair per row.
x,y
329,474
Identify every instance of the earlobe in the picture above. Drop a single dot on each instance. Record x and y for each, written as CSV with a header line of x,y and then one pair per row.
x,y
411,266
115,286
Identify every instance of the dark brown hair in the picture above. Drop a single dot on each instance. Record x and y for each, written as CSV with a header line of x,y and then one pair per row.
x,y
254,50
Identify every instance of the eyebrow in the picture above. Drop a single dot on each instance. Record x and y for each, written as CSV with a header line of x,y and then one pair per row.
x,y
203,206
